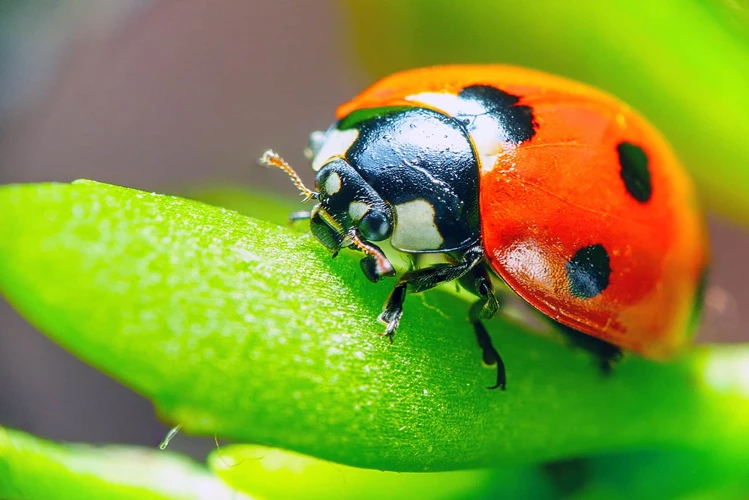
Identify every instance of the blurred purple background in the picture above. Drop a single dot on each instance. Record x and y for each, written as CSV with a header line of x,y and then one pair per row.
x,y
164,95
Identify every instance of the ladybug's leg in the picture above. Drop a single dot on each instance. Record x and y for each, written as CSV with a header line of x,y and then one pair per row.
x,y
479,283
424,279
300,215
606,353
393,311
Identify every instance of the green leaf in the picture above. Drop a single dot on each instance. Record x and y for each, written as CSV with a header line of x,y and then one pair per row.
x,y
248,330
34,469
31,469
275,474
682,63
677,474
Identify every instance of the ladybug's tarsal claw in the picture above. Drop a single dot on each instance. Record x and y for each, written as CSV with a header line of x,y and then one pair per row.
x,y
390,330
390,334
489,355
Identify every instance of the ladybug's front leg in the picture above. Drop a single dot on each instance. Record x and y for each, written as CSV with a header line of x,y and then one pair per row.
x,y
393,311
424,279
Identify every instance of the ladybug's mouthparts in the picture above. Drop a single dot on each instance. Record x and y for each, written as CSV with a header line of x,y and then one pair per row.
x,y
272,159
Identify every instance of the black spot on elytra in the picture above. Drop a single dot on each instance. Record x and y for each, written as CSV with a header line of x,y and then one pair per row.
x,y
635,171
588,271
516,121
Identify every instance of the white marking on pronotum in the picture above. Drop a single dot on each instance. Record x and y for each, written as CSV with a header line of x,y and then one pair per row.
x,y
357,210
336,143
333,183
449,103
486,133
416,228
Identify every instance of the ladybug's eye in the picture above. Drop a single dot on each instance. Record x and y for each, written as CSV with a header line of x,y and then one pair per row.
x,y
374,226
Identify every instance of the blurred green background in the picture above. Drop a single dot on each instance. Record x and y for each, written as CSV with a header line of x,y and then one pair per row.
x,y
684,64
172,94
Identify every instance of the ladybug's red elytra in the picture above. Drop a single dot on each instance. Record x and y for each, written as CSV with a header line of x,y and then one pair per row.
x,y
568,195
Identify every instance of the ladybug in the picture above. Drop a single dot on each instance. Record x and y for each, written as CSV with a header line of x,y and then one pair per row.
x,y
565,193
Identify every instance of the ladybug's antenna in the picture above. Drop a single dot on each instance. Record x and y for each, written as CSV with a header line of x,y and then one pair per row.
x,y
272,159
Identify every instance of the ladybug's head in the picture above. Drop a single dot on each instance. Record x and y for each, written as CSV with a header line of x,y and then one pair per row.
x,y
349,212
348,206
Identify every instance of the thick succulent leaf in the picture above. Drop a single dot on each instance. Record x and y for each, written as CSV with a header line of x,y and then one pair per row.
x,y
34,469
245,329
683,63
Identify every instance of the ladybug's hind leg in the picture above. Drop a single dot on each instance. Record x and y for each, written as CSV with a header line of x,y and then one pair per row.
x,y
479,283
607,354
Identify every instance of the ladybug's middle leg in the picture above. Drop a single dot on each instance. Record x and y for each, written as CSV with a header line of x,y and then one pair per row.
x,y
479,283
